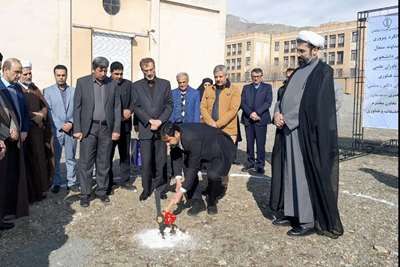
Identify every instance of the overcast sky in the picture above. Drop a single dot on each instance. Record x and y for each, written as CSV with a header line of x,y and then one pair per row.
x,y
303,12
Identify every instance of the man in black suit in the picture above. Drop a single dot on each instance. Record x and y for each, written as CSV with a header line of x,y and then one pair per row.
x,y
152,106
256,101
124,89
97,122
206,146
16,195
9,137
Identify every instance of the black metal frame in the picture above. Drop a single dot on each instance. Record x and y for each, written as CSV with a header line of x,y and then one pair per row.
x,y
359,145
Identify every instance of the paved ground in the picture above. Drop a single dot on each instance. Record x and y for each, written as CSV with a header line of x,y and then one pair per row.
x,y
60,233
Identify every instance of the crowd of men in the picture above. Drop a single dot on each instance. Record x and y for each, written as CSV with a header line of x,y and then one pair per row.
x,y
198,128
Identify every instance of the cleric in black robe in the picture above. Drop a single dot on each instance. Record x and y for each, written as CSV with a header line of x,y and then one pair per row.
x,y
310,162
202,145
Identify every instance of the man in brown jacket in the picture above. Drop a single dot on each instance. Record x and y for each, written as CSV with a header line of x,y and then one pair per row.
x,y
219,108
221,102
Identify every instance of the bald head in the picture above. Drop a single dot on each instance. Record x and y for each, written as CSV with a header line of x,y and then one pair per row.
x,y
12,70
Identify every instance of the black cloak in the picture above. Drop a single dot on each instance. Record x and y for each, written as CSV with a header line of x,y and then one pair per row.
x,y
318,138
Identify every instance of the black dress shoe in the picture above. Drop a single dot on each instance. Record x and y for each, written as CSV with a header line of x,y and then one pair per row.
x,y
301,231
257,171
143,196
73,188
105,199
55,189
236,162
84,202
281,221
247,168
6,225
198,206
212,210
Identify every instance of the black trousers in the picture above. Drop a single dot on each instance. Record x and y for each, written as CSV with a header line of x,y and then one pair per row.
x,y
124,144
216,170
95,148
154,165
11,178
256,134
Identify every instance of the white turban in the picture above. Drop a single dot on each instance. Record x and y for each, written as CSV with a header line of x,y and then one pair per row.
x,y
312,38
26,64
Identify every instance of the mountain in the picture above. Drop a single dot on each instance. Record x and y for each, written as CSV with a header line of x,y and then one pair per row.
x,y
236,25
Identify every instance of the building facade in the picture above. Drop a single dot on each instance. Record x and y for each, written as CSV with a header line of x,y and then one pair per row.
x,y
245,51
73,32
339,52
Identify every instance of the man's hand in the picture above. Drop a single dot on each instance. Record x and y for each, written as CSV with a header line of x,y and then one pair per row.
x,y
78,136
67,127
279,121
254,116
136,128
2,150
24,135
14,134
174,201
39,114
155,124
178,183
115,136
213,124
126,114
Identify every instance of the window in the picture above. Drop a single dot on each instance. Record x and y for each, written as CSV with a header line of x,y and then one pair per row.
x,y
293,46
238,78
276,61
239,49
339,73
112,7
353,55
233,64
326,41
228,50
331,58
228,64
239,63
353,72
247,76
341,40
340,55
248,61
286,47
248,46
292,61
286,61
332,41
354,37
276,46
233,49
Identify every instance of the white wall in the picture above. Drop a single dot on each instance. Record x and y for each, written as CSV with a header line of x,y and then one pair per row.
x,y
41,36
191,39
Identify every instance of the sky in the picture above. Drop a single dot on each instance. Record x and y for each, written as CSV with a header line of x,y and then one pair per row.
x,y
302,12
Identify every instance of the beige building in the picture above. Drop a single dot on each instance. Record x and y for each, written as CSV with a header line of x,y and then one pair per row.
x,y
245,51
340,52
176,33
